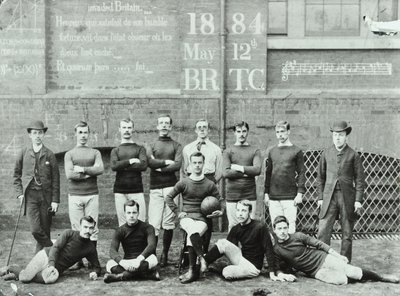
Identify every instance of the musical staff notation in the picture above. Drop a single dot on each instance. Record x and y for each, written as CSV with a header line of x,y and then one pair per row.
x,y
298,69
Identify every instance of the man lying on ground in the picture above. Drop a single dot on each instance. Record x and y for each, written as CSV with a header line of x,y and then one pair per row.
x,y
316,259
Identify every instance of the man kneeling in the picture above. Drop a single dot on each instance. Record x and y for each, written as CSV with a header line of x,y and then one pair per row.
x,y
255,241
317,259
46,266
139,243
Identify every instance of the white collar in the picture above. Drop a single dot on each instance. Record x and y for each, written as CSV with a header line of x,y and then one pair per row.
x,y
123,141
36,149
287,143
195,178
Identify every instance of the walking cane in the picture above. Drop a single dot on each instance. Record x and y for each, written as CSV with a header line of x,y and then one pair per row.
x,y
15,230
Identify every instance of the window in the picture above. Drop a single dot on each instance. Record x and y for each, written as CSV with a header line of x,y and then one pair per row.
x,y
332,17
387,10
277,17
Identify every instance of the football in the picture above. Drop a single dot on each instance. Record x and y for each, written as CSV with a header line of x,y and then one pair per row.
x,y
209,205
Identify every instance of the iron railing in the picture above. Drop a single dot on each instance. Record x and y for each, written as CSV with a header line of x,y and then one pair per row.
x,y
381,207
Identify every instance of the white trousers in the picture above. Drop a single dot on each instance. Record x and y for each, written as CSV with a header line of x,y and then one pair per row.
x,y
191,227
84,205
240,267
284,208
122,198
160,215
335,271
152,260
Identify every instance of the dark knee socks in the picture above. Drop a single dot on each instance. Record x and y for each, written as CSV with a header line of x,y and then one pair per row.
x,y
117,269
167,239
212,255
197,243
370,275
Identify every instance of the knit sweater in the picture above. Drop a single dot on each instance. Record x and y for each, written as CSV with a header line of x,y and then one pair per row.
x,y
138,239
285,173
255,241
161,174
241,185
193,193
297,253
70,248
129,176
83,183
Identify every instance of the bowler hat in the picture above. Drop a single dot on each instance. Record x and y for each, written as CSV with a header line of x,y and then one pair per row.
x,y
36,125
340,126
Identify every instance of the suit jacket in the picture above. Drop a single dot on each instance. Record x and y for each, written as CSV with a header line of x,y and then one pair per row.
x,y
346,168
48,171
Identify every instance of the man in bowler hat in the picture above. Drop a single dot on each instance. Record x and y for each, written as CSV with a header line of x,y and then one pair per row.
x,y
341,185
37,184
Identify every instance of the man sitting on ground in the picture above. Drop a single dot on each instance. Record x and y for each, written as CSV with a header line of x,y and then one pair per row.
x,y
255,241
139,243
46,266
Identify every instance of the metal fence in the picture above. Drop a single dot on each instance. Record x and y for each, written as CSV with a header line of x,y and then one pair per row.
x,y
381,207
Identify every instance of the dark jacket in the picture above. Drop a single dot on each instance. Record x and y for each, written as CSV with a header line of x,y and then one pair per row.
x,y
347,170
48,171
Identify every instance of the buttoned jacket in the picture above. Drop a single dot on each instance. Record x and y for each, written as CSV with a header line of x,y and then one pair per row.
x,y
344,167
47,169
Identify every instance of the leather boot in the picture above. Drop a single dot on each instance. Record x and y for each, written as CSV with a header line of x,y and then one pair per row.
x,y
192,274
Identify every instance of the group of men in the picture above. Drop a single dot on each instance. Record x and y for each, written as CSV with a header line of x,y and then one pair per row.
x,y
202,164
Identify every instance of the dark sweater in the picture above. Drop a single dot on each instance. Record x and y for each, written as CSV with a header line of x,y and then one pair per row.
x,y
164,148
297,253
255,241
193,193
241,185
70,248
129,176
83,183
138,239
285,173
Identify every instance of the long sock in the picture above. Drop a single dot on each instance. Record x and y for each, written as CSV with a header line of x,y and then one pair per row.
x,y
167,239
143,267
38,278
155,250
192,257
212,255
117,269
197,243
370,275
207,237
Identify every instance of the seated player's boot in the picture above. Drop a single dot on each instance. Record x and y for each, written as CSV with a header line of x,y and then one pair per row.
x,y
191,276
9,277
110,277
203,265
154,275
390,278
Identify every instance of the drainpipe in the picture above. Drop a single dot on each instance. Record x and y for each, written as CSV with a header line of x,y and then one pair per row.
x,y
222,99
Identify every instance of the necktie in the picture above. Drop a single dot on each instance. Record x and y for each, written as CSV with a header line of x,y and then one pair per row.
x,y
199,145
